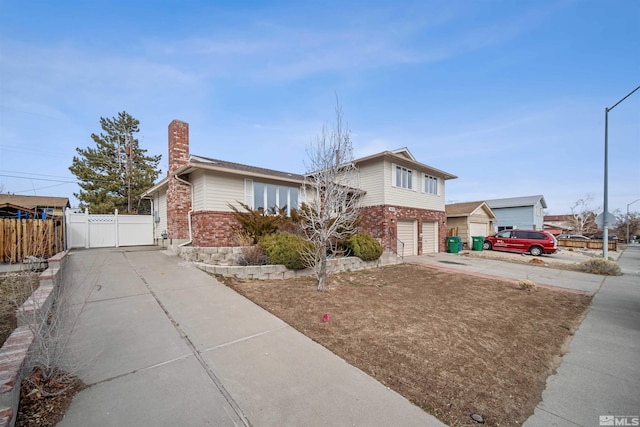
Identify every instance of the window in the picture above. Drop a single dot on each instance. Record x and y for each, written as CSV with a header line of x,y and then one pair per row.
x,y
272,197
430,184
507,227
403,177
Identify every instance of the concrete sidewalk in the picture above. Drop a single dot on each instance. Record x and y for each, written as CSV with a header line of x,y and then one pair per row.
x,y
165,344
600,375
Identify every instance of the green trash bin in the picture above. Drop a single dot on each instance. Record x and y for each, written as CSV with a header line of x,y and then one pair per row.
x,y
478,241
453,244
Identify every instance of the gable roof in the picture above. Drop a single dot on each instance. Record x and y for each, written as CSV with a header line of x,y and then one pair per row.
x,y
515,202
31,202
222,165
404,156
206,163
467,209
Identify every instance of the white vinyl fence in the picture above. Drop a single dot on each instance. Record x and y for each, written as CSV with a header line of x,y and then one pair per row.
x,y
107,231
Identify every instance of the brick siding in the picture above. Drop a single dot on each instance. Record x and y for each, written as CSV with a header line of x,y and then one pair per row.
x,y
214,229
381,222
178,193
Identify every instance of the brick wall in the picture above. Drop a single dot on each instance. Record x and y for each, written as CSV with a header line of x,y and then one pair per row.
x,y
214,229
178,193
381,222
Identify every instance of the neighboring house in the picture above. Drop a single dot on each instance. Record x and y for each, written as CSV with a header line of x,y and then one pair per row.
x,y
558,224
403,203
13,206
525,213
470,219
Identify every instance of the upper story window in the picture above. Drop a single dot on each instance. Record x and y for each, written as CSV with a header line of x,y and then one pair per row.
x,y
430,185
403,177
272,197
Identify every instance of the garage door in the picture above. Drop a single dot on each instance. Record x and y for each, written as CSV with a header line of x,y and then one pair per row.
x,y
429,237
478,229
407,233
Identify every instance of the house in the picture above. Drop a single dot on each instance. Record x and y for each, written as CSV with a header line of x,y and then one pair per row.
x,y
14,206
525,213
470,219
558,224
403,202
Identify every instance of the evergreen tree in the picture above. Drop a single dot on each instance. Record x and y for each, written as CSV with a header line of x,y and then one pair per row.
x,y
117,171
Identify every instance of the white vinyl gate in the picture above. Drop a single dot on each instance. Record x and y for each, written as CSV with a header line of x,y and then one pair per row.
x,y
107,231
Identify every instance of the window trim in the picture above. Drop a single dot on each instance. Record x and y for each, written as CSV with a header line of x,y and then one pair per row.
x,y
425,186
410,174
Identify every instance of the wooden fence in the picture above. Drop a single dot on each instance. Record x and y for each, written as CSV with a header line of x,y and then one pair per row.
x,y
20,238
587,244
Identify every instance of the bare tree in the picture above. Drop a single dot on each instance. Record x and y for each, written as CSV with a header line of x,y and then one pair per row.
x,y
331,199
583,217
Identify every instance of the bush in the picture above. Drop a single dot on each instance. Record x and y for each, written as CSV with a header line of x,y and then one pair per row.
x,y
601,266
526,285
365,247
285,249
252,255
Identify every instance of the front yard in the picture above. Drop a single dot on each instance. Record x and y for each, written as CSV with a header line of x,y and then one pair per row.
x,y
453,344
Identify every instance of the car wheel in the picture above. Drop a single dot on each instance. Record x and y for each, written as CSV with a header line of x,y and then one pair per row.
x,y
486,246
536,250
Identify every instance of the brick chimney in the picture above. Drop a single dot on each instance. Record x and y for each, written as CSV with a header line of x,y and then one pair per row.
x,y
178,193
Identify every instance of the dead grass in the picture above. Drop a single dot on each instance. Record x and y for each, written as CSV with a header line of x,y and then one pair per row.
x,y
451,343
15,288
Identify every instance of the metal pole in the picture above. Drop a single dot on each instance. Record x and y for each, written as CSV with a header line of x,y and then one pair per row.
x,y
605,225
637,200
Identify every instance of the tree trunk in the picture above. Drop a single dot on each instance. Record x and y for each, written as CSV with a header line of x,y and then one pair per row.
x,y
322,275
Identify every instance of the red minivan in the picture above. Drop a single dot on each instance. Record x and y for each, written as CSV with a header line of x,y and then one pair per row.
x,y
533,241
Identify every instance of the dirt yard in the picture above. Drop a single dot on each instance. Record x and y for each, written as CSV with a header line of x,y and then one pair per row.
x,y
15,288
453,344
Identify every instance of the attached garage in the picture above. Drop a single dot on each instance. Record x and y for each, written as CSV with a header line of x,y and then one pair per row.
x,y
429,237
407,234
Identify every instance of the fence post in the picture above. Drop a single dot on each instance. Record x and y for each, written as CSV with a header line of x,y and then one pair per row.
x,y
115,223
86,228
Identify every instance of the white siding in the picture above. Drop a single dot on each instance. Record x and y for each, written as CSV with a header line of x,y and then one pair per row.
x,y
408,234
429,237
372,180
222,189
377,179
198,181
160,205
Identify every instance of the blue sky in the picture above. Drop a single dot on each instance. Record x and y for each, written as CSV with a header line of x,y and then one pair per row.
x,y
507,95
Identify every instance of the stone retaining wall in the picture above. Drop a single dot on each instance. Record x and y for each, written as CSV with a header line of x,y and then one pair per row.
x,y
224,262
15,350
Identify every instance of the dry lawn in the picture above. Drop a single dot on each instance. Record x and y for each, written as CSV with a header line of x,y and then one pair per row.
x,y
15,288
451,343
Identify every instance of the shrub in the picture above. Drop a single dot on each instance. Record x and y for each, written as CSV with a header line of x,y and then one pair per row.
x,y
526,285
255,223
365,247
285,249
252,255
601,266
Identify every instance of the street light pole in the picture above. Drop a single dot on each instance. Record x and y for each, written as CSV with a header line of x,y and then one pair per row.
x,y
637,200
605,225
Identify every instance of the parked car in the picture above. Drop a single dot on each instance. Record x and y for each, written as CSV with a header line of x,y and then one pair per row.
x,y
573,236
522,241
600,236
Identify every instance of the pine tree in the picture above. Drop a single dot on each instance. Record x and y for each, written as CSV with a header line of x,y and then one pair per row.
x,y
117,171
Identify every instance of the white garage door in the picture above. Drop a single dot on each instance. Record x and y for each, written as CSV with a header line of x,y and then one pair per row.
x,y
429,237
407,233
478,229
